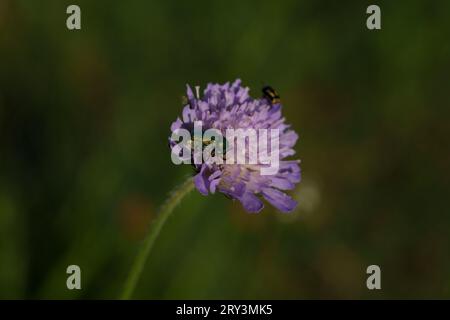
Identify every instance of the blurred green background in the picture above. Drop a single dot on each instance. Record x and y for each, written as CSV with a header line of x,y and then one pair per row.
x,y
84,163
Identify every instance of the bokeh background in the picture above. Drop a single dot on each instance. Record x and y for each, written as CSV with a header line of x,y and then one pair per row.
x,y
84,163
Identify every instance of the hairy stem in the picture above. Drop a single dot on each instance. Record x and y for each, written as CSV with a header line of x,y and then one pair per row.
x,y
175,197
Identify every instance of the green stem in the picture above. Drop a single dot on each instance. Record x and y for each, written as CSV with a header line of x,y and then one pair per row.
x,y
153,233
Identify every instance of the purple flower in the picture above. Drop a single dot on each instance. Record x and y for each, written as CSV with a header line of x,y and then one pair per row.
x,y
228,106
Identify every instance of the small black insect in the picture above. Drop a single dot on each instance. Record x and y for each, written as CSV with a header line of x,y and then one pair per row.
x,y
270,94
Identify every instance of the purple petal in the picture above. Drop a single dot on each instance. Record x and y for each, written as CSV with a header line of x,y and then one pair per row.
x,y
213,185
214,180
201,181
281,183
279,200
176,125
251,202
289,138
190,94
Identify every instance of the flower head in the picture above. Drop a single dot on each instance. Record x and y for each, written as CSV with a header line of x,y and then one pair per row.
x,y
229,106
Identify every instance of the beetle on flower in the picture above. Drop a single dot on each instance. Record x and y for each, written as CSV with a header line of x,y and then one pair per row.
x,y
227,107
